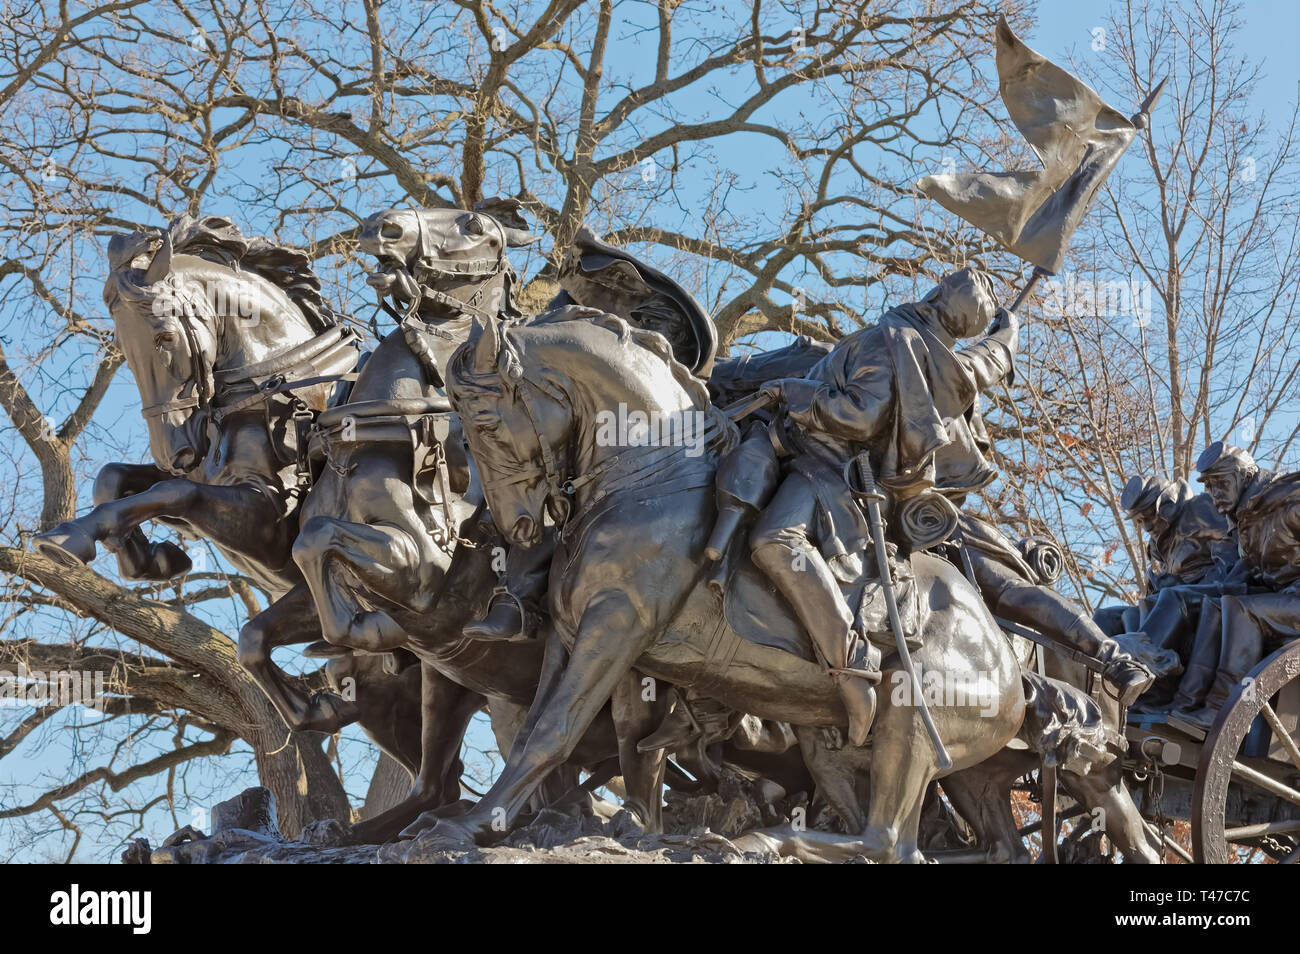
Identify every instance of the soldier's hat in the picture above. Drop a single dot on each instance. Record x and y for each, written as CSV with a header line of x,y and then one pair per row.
x,y
1145,493
591,255
1220,458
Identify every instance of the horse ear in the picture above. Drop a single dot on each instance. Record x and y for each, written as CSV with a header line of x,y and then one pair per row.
x,y
487,347
161,266
509,212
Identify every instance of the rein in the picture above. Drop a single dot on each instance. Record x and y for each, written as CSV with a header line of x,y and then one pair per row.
x,y
203,388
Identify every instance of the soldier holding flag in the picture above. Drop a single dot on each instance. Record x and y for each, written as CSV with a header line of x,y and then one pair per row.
x,y
901,392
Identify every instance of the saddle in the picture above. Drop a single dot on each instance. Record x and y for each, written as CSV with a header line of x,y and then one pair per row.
x,y
427,425
759,614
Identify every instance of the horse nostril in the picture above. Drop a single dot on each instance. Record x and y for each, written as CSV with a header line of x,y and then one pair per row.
x,y
525,531
184,459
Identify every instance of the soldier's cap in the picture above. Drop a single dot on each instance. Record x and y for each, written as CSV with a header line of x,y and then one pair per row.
x,y
1220,458
1143,493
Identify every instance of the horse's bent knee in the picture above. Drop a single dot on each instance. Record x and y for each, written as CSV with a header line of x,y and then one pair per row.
x,y
180,494
252,645
110,483
313,537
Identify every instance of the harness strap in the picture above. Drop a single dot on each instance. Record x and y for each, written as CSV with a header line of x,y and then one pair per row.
x,y
278,385
303,354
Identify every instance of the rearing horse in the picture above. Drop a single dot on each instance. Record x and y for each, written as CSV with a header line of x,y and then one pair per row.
x,y
231,346
629,588
211,323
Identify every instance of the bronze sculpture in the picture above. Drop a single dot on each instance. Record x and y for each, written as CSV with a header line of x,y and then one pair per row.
x,y
524,407
392,557
1263,508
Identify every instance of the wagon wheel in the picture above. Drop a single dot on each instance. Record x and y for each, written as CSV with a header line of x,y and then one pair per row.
x,y
1220,767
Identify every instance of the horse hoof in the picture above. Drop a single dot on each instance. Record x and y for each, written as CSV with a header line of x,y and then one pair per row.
x,y
169,561
67,544
325,833
331,712
442,832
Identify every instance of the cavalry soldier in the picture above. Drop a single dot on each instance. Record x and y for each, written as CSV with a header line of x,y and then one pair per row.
x,y
1264,509
900,391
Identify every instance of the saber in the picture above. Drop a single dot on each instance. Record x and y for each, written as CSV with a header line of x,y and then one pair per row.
x,y
872,496
738,410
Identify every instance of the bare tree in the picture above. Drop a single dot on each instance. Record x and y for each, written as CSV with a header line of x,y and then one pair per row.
x,y
1174,325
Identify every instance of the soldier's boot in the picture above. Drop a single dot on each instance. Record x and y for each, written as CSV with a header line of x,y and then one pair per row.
x,y
1054,615
1196,722
816,600
513,613
507,620
1126,676
1242,648
1191,691
858,693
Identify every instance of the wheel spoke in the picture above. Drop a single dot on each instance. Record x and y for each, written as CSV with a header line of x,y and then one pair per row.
x,y
1266,783
1281,734
1264,828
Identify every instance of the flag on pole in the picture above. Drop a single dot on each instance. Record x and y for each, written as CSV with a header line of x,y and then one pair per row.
x,y
1075,134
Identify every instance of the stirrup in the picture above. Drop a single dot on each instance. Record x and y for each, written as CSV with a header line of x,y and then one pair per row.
x,y
527,620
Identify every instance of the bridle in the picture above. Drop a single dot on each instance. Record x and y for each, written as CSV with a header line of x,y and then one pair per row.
x,y
429,267
216,395
203,390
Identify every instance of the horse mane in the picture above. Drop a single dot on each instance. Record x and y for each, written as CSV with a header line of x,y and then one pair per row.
x,y
652,341
217,238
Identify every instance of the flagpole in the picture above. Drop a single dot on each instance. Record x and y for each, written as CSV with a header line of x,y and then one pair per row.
x,y
1140,119
1038,273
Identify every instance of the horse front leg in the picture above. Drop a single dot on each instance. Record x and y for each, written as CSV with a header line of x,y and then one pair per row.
x,y
981,795
445,711
387,561
290,620
638,710
902,767
610,638
137,557
237,518
1112,811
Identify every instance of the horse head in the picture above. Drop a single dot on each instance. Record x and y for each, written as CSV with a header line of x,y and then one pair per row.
x,y
446,252
183,311
519,431
550,408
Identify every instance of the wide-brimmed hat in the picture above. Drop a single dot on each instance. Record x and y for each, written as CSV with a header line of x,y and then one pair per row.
x,y
591,255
